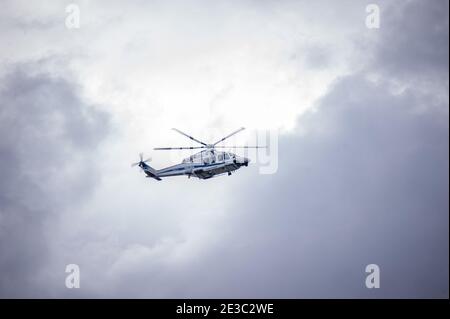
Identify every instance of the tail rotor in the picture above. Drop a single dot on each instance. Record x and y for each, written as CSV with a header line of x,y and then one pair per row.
x,y
142,161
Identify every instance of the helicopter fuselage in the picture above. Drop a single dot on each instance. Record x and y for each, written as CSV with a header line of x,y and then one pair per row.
x,y
203,165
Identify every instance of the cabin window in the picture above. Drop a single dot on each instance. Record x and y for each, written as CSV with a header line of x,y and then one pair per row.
x,y
220,157
226,156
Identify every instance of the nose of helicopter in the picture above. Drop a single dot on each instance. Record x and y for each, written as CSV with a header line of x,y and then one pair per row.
x,y
243,161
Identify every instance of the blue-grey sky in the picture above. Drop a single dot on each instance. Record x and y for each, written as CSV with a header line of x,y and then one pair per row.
x,y
363,149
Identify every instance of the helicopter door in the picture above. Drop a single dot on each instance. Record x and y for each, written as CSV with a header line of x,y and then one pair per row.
x,y
206,159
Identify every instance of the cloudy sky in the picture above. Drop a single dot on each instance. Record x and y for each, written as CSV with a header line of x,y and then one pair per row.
x,y
361,117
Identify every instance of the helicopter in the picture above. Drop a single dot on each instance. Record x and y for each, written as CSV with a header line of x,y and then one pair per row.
x,y
204,165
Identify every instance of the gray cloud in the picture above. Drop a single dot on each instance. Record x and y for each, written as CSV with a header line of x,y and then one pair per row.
x,y
48,135
415,40
367,182
363,179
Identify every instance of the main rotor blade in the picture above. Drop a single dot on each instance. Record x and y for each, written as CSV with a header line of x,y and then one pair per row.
x,y
240,146
177,148
188,136
235,132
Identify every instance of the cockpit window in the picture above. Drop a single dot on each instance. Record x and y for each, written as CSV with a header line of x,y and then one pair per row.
x,y
226,156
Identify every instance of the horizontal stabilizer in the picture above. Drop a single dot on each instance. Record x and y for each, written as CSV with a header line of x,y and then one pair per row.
x,y
155,177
